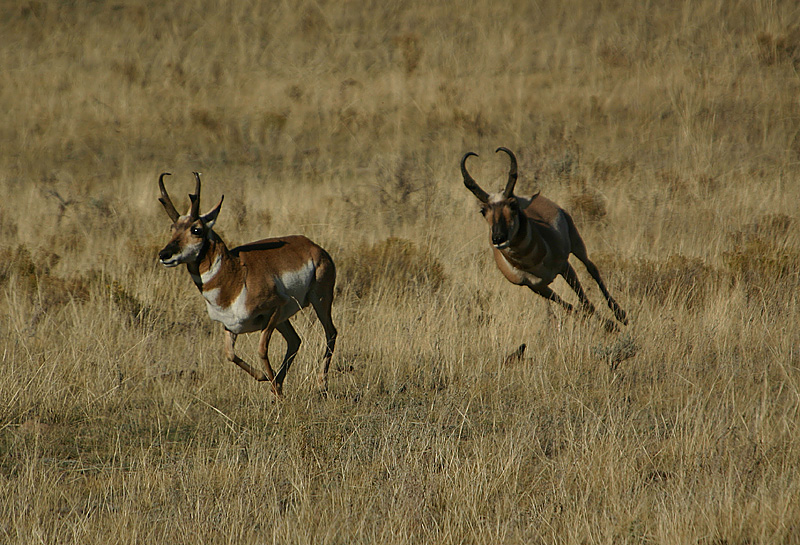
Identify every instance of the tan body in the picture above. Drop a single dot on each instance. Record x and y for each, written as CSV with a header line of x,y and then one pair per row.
x,y
245,302
542,245
532,240
256,286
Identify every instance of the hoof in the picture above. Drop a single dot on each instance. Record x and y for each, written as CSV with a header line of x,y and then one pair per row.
x,y
322,385
516,356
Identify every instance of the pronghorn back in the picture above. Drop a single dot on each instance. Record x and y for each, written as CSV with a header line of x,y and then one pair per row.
x,y
288,266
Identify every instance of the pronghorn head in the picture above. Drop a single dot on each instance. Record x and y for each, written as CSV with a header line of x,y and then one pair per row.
x,y
501,210
190,233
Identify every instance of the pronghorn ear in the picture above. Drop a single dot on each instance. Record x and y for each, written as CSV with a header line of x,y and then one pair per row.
x,y
210,219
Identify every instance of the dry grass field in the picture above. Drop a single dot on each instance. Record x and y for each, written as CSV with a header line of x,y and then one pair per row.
x,y
671,132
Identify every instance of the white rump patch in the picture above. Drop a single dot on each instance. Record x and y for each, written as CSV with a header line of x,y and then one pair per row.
x,y
294,286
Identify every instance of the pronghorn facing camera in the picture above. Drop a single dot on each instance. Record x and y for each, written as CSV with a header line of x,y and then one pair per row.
x,y
532,240
254,287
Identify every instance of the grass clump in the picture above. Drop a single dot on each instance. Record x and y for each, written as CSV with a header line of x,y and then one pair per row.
x,y
678,280
393,266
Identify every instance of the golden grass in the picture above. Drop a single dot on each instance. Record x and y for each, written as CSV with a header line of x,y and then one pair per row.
x,y
670,130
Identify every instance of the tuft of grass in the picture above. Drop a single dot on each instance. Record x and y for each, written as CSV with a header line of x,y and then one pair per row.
x,y
677,280
587,206
393,266
759,264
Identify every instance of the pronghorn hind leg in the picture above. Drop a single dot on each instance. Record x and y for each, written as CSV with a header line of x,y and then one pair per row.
x,y
292,346
579,251
574,283
230,354
619,314
572,279
322,300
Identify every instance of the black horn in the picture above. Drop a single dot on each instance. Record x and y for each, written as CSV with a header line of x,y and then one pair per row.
x,y
165,200
470,182
195,198
512,172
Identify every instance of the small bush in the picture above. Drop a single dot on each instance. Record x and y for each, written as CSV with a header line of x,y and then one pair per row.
x,y
762,264
587,207
683,280
760,258
394,265
769,227
777,49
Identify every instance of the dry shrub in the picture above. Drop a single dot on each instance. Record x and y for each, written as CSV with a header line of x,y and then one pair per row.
x,y
760,264
30,269
128,304
35,280
604,170
203,118
760,258
411,49
678,279
394,265
777,49
587,206
614,54
769,227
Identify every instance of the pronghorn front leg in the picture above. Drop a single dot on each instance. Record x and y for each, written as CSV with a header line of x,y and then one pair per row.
x,y
549,294
230,342
292,345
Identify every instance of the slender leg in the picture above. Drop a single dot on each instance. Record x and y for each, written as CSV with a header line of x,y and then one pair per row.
x,y
572,279
263,352
579,251
549,294
322,306
292,346
619,314
588,307
230,343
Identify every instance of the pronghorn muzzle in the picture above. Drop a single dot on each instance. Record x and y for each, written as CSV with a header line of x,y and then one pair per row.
x,y
168,256
501,234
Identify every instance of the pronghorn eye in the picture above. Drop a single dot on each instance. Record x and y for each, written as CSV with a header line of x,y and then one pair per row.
x,y
196,231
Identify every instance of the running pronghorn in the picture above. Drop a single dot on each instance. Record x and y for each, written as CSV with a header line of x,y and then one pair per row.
x,y
257,286
532,240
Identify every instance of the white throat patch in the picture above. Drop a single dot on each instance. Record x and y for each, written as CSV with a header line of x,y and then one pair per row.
x,y
212,271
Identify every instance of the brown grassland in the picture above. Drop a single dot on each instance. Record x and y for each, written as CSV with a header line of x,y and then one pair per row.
x,y
670,130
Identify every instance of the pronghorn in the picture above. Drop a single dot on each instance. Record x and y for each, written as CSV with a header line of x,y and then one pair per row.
x,y
257,286
532,240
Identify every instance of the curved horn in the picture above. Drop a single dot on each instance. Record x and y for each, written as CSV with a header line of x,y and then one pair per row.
x,y
165,200
470,182
512,172
194,213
